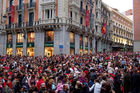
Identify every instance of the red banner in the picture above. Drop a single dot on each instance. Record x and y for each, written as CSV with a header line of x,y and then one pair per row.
x,y
105,25
87,17
104,28
12,13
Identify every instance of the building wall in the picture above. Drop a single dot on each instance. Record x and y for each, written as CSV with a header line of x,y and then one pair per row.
x,y
136,12
0,10
61,10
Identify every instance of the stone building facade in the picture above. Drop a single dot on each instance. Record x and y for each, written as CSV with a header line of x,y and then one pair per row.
x,y
122,31
48,27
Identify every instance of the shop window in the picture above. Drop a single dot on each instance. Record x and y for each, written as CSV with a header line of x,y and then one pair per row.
x,y
20,38
19,51
81,41
49,36
72,37
30,51
9,38
9,51
86,41
49,51
31,37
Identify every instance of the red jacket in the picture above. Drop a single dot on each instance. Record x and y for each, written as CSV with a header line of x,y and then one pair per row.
x,y
39,83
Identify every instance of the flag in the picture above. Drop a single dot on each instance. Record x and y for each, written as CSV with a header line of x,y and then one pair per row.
x,y
87,17
12,11
104,28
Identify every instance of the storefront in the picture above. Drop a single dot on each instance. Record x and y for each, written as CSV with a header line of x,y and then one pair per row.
x,y
19,51
86,45
19,44
30,51
30,44
9,50
49,43
72,43
81,45
49,51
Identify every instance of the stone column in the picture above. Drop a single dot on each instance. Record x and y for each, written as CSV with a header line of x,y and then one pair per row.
x,y
3,43
62,37
39,43
99,46
14,35
77,44
66,42
88,45
83,44
93,45
53,13
25,44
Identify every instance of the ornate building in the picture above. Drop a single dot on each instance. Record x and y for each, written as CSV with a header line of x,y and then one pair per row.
x,y
47,27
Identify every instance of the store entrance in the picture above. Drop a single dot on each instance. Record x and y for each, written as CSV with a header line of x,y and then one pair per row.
x,y
81,51
9,51
72,51
19,51
30,51
49,51
86,51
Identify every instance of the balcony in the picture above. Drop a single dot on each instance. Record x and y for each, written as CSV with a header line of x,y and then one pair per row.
x,y
8,10
48,22
48,2
31,6
75,3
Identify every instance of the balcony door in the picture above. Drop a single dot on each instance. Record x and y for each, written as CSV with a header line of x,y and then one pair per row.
x,y
31,18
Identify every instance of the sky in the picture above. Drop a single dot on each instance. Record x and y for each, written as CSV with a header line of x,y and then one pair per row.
x,y
121,5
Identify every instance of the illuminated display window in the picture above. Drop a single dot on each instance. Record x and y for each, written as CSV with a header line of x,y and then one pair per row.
x,y
81,41
9,38
72,37
31,37
86,42
20,38
49,36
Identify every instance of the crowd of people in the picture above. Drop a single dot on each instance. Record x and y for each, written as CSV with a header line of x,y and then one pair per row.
x,y
110,72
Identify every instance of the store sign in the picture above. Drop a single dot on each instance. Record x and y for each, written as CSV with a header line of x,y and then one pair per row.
x,y
86,48
19,45
81,47
61,48
9,45
30,45
72,45
49,45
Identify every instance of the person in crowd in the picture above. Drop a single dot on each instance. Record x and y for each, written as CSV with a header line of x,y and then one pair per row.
x,y
110,72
